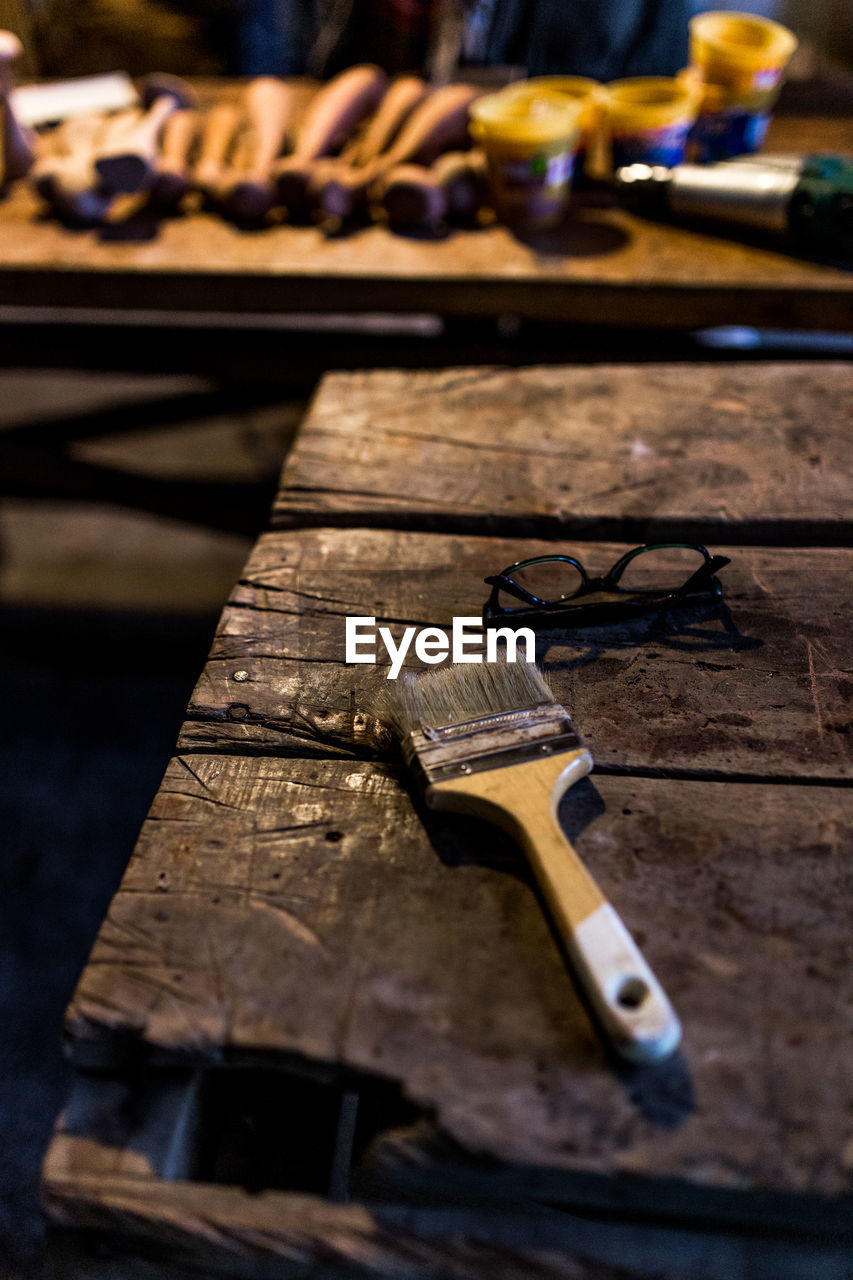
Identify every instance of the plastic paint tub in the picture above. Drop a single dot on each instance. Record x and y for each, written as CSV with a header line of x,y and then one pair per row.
x,y
649,118
729,123
588,93
530,141
740,51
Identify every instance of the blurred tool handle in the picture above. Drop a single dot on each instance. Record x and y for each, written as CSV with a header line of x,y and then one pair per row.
x,y
67,179
333,114
401,99
129,163
453,189
18,151
220,128
439,123
173,163
270,107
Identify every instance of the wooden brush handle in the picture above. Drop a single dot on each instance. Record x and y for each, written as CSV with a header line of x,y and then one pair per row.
x,y
627,998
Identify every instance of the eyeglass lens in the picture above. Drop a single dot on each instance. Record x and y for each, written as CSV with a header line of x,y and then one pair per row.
x,y
661,569
550,581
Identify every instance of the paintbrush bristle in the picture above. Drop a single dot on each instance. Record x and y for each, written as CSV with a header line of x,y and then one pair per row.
x,y
460,692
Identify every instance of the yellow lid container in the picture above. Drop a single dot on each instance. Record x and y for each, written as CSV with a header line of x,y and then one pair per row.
x,y
743,51
527,119
579,88
588,94
648,118
530,140
650,102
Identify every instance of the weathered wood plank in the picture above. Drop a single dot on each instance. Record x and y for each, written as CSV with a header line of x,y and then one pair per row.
x,y
421,1162
272,1236
605,267
307,908
226,1232
770,700
288,1237
728,452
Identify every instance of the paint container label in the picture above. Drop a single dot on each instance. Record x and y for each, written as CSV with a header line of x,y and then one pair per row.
x,y
767,78
652,146
538,171
719,135
530,192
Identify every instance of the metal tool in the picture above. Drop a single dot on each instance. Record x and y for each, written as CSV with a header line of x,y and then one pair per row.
x,y
806,198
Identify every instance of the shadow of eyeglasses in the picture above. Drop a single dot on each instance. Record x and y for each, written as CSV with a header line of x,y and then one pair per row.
x,y
701,628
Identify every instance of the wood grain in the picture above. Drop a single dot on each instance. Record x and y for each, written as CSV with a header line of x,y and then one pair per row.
x,y
223,1231
272,1236
605,267
723,451
289,907
768,699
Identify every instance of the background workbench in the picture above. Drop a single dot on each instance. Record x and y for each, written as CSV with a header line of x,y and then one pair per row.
x,y
605,267
293,933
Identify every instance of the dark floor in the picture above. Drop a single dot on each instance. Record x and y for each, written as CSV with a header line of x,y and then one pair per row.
x,y
106,616
84,746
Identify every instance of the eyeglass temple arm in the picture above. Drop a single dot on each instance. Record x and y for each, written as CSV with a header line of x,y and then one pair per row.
x,y
500,583
705,572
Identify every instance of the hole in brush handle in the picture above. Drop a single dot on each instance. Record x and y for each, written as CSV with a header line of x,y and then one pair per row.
x,y
632,992
630,1003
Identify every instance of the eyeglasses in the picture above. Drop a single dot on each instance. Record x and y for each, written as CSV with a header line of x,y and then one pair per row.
x,y
558,589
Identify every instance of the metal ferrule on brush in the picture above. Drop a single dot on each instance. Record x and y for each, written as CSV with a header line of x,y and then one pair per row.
x,y
491,742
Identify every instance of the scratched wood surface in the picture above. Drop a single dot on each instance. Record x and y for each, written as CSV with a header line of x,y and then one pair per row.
x,y
287,906
719,451
764,693
606,266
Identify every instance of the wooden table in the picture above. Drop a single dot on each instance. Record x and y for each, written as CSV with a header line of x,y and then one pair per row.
x,y
605,268
309,987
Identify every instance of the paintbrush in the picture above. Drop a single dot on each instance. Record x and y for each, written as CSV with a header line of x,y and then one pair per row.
x,y
491,740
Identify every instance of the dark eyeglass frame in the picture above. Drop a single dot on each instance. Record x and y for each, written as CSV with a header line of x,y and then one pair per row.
x,y
701,587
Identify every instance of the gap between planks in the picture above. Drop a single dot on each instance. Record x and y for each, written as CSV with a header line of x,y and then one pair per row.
x,y
772,534
258,751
